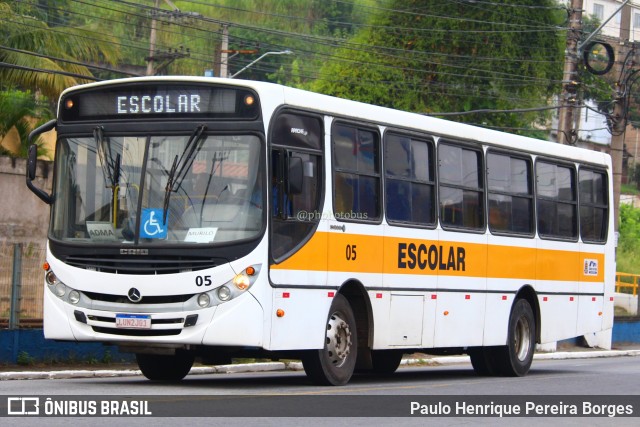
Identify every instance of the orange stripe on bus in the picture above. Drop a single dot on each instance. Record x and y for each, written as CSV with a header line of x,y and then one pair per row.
x,y
394,255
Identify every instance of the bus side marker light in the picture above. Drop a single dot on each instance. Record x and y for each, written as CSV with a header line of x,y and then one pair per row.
x,y
446,313
570,298
379,295
599,313
434,296
545,299
280,312
331,294
46,266
467,297
593,298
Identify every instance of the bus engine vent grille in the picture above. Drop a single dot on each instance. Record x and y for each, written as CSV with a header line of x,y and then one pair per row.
x,y
142,265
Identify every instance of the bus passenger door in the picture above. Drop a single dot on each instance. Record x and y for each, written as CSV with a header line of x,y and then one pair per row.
x,y
298,238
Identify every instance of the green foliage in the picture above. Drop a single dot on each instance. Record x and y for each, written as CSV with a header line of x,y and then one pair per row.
x,y
628,253
454,56
25,359
20,111
24,29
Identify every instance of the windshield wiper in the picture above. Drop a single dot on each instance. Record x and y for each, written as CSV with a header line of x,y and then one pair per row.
x,y
110,168
181,166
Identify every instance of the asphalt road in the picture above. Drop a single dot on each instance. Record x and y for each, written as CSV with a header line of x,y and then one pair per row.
x,y
286,398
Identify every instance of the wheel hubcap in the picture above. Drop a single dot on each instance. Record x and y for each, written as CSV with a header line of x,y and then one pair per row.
x,y
522,338
338,340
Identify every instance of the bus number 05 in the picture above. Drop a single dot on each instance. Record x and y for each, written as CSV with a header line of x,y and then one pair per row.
x,y
351,252
203,280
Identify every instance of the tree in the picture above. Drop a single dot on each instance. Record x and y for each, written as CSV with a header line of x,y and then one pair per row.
x,y
431,56
18,111
23,30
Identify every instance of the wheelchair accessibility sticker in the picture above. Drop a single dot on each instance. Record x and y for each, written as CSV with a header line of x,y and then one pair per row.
x,y
151,226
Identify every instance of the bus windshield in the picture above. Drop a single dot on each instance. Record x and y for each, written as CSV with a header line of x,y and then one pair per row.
x,y
158,189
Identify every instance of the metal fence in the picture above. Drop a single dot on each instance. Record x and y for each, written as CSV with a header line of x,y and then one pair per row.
x,y
21,284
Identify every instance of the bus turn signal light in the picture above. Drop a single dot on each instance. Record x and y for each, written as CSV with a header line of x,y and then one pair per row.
x,y
280,312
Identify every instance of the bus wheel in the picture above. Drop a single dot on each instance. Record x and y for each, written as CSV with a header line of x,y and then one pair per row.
x,y
516,357
334,364
483,360
385,361
162,367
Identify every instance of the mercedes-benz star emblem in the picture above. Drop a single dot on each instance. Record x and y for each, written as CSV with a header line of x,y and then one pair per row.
x,y
134,295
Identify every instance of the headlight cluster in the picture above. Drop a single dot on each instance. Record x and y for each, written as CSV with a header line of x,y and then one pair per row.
x,y
240,283
58,288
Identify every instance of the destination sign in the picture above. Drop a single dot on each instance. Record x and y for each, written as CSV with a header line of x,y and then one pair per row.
x,y
164,101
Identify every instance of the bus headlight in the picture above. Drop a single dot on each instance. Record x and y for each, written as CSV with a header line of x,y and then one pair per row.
x,y
59,289
235,287
204,300
224,293
242,281
51,278
74,297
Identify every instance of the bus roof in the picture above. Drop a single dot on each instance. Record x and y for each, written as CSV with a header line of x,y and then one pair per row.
x,y
344,108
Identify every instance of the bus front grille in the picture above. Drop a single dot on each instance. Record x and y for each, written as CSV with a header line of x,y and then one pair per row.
x,y
142,265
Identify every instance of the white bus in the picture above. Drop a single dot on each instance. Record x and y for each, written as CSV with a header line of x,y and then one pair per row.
x,y
207,219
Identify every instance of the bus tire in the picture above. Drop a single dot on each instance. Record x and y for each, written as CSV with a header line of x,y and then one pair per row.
x,y
335,363
163,367
385,362
515,358
483,360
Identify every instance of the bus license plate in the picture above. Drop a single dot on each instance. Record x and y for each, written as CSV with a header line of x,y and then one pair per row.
x,y
133,321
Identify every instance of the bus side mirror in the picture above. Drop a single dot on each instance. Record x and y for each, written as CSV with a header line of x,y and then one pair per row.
x,y
32,162
294,176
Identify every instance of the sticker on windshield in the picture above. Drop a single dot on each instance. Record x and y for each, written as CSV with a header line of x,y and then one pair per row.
x,y
201,235
99,230
151,226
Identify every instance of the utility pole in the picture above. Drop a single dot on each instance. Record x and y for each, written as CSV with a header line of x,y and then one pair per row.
x,y
224,52
152,39
619,122
566,131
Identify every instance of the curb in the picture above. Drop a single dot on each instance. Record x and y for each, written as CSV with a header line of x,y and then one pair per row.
x,y
294,366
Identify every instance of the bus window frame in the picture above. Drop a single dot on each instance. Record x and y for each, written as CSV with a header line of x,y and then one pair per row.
x,y
562,163
321,168
334,170
430,140
478,147
607,206
530,160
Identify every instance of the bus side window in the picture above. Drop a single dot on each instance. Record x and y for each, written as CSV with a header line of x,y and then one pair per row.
x,y
594,209
556,200
461,187
356,173
510,190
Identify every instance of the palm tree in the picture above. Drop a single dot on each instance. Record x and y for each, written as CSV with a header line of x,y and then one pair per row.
x,y
21,31
29,45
